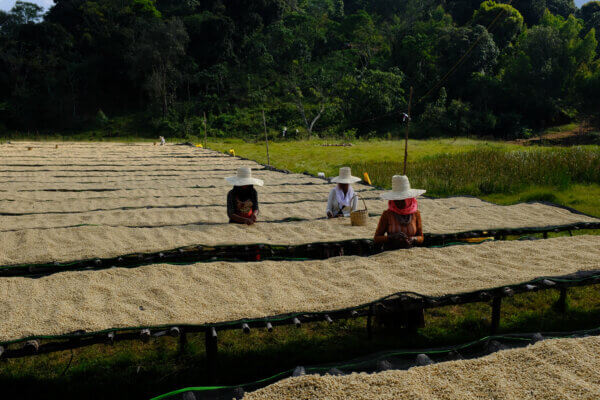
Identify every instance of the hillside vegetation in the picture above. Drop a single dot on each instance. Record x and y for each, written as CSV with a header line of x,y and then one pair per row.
x,y
322,67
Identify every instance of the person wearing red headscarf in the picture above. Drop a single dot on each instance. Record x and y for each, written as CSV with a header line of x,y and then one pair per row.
x,y
400,225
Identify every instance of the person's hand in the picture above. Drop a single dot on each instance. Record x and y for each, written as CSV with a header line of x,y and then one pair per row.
x,y
398,236
253,218
408,242
248,221
401,240
329,214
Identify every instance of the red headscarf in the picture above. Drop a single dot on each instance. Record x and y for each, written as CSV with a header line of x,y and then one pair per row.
x,y
410,207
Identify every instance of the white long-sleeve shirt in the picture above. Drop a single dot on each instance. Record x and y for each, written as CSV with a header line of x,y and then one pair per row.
x,y
333,205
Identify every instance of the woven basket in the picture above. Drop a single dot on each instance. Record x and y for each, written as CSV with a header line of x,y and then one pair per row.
x,y
359,217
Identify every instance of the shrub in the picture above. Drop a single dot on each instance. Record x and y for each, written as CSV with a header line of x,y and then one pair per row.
x,y
101,118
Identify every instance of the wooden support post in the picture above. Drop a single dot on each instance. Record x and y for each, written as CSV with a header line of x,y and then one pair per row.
x,y
182,341
415,319
561,304
205,134
266,137
211,353
496,304
545,234
407,129
370,323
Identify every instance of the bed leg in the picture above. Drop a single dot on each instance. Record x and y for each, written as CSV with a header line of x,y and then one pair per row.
x,y
211,353
561,304
182,341
496,305
370,323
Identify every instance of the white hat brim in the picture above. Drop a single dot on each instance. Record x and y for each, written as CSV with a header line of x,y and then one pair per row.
x,y
235,181
351,179
409,194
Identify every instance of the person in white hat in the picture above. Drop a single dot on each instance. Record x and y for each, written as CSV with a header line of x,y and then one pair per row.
x,y
400,225
242,200
342,199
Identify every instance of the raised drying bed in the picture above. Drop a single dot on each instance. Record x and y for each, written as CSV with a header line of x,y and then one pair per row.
x,y
557,368
159,299
392,361
128,204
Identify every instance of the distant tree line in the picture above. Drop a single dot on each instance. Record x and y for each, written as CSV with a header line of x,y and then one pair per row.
x,y
321,66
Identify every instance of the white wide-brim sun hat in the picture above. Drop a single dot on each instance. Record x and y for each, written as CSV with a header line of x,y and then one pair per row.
x,y
345,176
401,189
244,178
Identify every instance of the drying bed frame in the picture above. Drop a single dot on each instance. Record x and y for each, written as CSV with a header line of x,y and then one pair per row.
x,y
263,251
280,240
398,301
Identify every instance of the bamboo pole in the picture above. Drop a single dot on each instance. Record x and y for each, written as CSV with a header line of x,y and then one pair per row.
x,y
266,137
407,128
205,139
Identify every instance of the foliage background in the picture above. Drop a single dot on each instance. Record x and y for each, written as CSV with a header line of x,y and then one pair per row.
x,y
324,67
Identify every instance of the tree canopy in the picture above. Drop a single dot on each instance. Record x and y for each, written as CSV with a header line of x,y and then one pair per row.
x,y
321,66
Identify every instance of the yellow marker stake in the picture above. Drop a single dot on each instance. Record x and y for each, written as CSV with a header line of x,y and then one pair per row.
x,y
232,152
366,175
199,145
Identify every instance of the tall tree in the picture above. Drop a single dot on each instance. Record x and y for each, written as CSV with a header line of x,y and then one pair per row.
x,y
531,10
505,21
154,59
590,14
542,75
26,13
564,8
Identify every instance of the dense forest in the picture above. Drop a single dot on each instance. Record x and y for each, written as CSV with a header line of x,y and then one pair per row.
x,y
322,67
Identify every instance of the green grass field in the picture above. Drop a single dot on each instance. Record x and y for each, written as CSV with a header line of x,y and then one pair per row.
x,y
503,173
495,171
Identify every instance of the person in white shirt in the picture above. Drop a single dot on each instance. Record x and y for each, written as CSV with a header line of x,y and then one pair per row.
x,y
342,199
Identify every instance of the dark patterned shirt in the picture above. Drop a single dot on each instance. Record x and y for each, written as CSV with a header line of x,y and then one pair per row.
x,y
235,206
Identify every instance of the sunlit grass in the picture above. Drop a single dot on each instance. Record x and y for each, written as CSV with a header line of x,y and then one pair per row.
x,y
495,171
312,156
490,171
584,198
